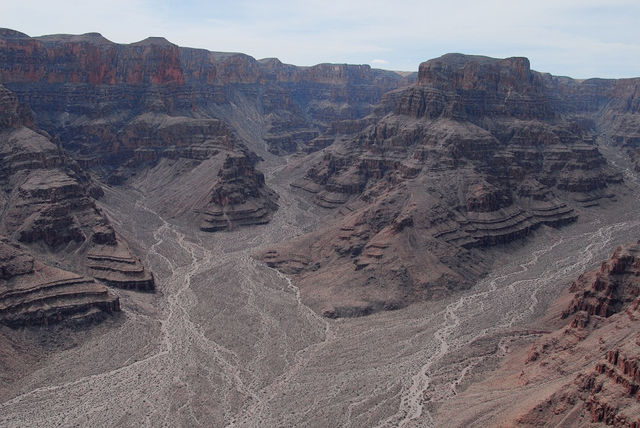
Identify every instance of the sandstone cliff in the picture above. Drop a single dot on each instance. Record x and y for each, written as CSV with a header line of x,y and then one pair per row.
x,y
475,154
69,79
47,202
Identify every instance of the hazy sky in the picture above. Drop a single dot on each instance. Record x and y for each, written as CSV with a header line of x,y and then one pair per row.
x,y
578,38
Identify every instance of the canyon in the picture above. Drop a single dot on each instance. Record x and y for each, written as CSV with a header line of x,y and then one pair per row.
x,y
202,238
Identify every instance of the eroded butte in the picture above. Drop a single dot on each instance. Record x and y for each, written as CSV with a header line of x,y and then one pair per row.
x,y
201,238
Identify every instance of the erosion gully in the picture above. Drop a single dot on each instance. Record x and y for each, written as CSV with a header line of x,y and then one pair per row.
x,y
227,341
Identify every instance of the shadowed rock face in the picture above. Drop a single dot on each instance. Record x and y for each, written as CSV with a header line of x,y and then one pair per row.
x,y
119,109
476,154
71,81
612,105
619,121
238,196
32,293
600,344
47,202
46,195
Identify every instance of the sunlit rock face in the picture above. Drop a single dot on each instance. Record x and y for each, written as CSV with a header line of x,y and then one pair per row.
x,y
599,345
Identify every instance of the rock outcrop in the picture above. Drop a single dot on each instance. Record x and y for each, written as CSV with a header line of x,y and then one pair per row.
x,y
238,197
32,293
115,265
597,352
475,154
47,202
607,291
47,197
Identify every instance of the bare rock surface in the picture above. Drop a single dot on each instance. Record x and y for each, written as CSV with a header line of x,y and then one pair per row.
x,y
475,154
32,293
48,203
583,372
229,341
599,348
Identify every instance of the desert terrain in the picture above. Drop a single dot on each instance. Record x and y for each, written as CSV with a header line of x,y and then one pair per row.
x,y
195,238
227,340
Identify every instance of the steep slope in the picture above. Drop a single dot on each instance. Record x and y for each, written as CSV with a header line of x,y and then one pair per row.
x,y
122,109
475,154
47,202
586,372
32,293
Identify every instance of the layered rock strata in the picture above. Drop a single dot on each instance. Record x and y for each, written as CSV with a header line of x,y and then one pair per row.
x,y
86,87
115,265
47,202
612,105
238,197
475,154
120,110
619,122
597,352
32,293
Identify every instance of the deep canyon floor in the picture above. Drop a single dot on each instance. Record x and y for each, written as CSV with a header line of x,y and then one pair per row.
x,y
227,341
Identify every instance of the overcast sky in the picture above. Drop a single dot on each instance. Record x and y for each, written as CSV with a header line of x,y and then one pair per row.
x,y
585,38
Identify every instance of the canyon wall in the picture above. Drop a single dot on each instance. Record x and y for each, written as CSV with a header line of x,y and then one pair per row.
x,y
596,353
423,172
479,152
47,202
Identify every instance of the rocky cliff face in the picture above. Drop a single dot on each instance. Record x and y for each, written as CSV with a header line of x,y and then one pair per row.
x,y
476,152
118,109
612,105
47,202
597,352
473,155
32,293
69,78
238,196
619,121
